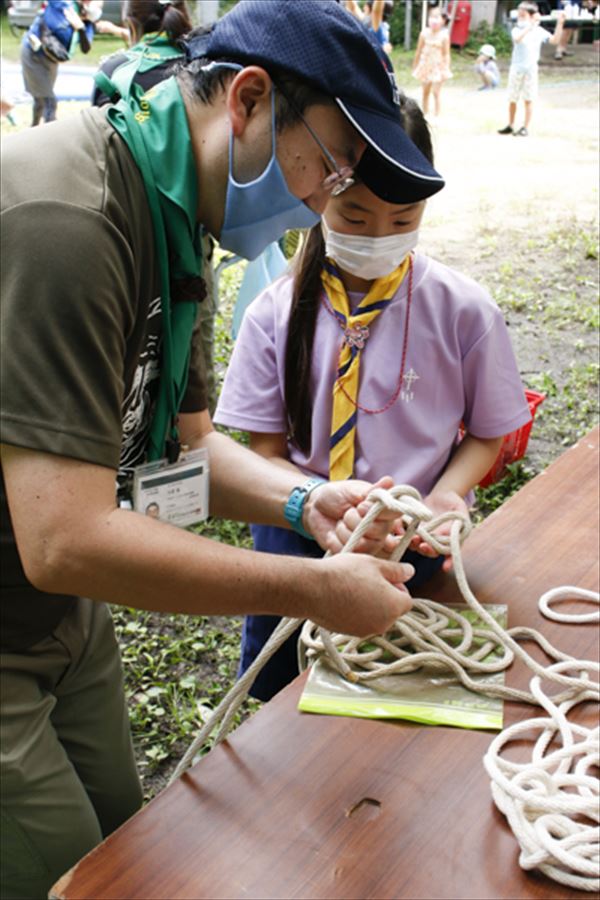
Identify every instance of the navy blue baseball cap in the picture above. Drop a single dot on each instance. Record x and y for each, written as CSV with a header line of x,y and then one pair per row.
x,y
322,43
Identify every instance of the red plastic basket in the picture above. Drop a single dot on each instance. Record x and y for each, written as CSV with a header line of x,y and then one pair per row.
x,y
514,444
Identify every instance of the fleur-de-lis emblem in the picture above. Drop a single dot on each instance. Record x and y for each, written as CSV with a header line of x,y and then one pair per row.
x,y
356,336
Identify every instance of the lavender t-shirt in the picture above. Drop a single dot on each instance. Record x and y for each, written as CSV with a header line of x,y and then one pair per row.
x,y
459,366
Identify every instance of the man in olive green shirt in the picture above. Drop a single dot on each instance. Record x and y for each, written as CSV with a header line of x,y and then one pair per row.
x,y
101,274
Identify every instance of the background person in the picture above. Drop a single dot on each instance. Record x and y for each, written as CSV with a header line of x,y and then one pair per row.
x,y
377,13
67,24
528,37
374,14
571,9
431,65
487,68
249,139
337,393
154,29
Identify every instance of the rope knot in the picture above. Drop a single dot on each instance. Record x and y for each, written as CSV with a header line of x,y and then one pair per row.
x,y
403,499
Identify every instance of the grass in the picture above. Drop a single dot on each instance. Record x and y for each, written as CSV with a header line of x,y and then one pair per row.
x,y
547,286
490,498
519,284
175,671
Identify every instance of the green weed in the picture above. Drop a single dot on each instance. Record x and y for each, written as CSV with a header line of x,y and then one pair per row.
x,y
177,669
490,498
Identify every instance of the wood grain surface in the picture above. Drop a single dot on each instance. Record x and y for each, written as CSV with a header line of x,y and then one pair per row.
x,y
309,806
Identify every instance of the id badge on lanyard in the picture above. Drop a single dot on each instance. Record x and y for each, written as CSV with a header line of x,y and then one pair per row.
x,y
177,492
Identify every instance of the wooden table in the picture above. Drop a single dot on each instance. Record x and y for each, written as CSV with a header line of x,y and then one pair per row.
x,y
297,805
578,24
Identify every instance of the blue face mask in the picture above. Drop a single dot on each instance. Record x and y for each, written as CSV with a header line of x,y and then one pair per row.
x,y
259,212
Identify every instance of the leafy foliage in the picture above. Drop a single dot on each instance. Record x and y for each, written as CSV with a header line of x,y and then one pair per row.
x,y
493,496
176,669
397,22
498,36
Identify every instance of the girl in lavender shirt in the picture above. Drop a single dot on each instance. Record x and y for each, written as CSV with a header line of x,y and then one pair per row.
x,y
437,355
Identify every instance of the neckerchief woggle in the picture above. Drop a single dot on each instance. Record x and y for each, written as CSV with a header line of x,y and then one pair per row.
x,y
154,126
355,326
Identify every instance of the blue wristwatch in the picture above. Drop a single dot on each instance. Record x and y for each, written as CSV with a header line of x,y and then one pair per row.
x,y
295,505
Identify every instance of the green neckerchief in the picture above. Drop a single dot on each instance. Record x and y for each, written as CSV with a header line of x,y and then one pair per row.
x,y
153,50
154,126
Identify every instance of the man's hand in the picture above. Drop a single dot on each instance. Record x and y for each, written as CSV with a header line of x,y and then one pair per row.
x,y
440,502
334,509
361,595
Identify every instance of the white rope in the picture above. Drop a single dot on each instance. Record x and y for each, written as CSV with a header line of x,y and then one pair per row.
x,y
404,500
550,802
225,712
568,592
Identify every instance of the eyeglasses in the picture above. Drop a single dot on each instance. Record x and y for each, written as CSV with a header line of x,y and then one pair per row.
x,y
339,179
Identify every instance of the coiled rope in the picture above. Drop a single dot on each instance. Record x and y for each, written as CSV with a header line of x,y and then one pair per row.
x,y
552,800
549,802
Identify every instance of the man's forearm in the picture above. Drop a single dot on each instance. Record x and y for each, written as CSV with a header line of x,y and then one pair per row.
x,y
72,539
140,562
244,485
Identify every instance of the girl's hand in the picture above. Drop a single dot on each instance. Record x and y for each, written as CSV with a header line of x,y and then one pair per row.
x,y
440,502
335,508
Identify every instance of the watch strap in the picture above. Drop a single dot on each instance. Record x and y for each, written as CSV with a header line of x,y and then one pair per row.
x,y
294,508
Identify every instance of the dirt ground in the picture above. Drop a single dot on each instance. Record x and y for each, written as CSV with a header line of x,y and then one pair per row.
x,y
498,182
520,215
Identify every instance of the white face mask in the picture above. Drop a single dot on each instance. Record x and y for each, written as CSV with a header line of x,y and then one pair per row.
x,y
369,257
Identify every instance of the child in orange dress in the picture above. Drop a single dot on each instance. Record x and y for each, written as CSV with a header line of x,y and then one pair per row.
x,y
432,59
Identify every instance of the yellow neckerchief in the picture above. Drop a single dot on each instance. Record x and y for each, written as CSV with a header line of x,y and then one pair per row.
x,y
356,331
